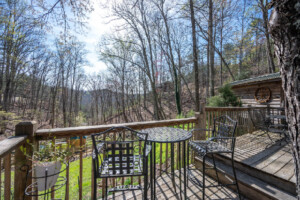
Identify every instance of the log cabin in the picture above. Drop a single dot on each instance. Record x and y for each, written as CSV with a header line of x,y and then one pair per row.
x,y
260,91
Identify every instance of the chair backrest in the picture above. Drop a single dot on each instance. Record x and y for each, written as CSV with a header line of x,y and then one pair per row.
x,y
225,127
258,117
119,144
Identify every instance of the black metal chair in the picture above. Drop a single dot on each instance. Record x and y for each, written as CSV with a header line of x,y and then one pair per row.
x,y
221,140
261,121
120,152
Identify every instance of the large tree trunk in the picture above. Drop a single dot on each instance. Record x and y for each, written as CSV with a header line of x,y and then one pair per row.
x,y
285,30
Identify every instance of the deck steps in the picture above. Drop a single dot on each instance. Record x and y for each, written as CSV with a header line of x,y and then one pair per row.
x,y
265,176
251,186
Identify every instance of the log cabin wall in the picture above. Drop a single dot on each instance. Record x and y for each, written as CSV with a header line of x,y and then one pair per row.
x,y
247,90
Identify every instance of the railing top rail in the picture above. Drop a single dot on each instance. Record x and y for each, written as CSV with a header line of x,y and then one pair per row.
x,y
10,144
237,108
87,130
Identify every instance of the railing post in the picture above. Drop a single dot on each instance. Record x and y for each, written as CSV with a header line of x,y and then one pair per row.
x,y
23,128
200,123
250,124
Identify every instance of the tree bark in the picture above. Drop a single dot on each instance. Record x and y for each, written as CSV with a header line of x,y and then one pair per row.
x,y
285,30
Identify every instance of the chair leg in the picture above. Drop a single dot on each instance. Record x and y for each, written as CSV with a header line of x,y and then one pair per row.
x,y
235,178
145,188
106,188
95,188
203,175
267,132
215,167
146,181
188,163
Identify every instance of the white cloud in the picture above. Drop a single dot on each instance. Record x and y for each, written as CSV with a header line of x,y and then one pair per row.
x,y
96,28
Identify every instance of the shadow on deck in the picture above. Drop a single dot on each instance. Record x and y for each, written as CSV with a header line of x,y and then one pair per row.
x,y
165,190
252,149
263,154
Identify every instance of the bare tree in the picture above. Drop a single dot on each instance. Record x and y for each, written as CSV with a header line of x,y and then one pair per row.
x,y
263,6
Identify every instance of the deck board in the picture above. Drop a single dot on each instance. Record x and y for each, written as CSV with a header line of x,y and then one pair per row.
x,y
268,161
278,164
286,172
165,190
260,152
251,149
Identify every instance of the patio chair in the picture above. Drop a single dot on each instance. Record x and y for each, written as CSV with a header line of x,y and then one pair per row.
x,y
261,121
221,141
120,152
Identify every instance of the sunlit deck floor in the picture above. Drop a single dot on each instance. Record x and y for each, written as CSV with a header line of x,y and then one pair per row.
x,y
271,157
165,190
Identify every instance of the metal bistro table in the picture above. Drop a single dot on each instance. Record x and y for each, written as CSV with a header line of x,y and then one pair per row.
x,y
168,135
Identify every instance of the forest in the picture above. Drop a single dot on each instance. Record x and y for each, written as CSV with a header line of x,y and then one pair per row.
x,y
163,57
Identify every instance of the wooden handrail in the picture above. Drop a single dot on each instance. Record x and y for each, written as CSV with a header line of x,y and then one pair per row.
x,y
10,144
236,108
87,130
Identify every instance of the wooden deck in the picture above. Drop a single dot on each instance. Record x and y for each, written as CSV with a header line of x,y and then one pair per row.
x,y
165,190
273,157
263,154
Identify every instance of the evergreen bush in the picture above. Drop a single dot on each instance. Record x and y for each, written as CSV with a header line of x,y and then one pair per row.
x,y
225,98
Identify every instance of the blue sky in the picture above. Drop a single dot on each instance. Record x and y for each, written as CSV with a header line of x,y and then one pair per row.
x,y
96,27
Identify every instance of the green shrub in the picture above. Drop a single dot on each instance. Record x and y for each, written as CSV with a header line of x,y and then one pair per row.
x,y
225,98
191,113
216,101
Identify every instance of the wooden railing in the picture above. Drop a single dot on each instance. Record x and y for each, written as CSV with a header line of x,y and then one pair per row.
x,y
82,154
79,173
11,158
7,154
240,114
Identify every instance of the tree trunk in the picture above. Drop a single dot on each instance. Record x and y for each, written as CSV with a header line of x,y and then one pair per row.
x,y
241,47
207,70
221,42
195,57
170,48
211,51
285,30
267,34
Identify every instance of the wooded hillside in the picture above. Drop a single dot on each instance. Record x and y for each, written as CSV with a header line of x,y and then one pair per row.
x,y
160,54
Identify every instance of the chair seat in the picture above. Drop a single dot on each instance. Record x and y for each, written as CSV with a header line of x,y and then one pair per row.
x,y
205,147
129,168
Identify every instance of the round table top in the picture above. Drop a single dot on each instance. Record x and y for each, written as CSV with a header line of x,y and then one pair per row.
x,y
167,134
